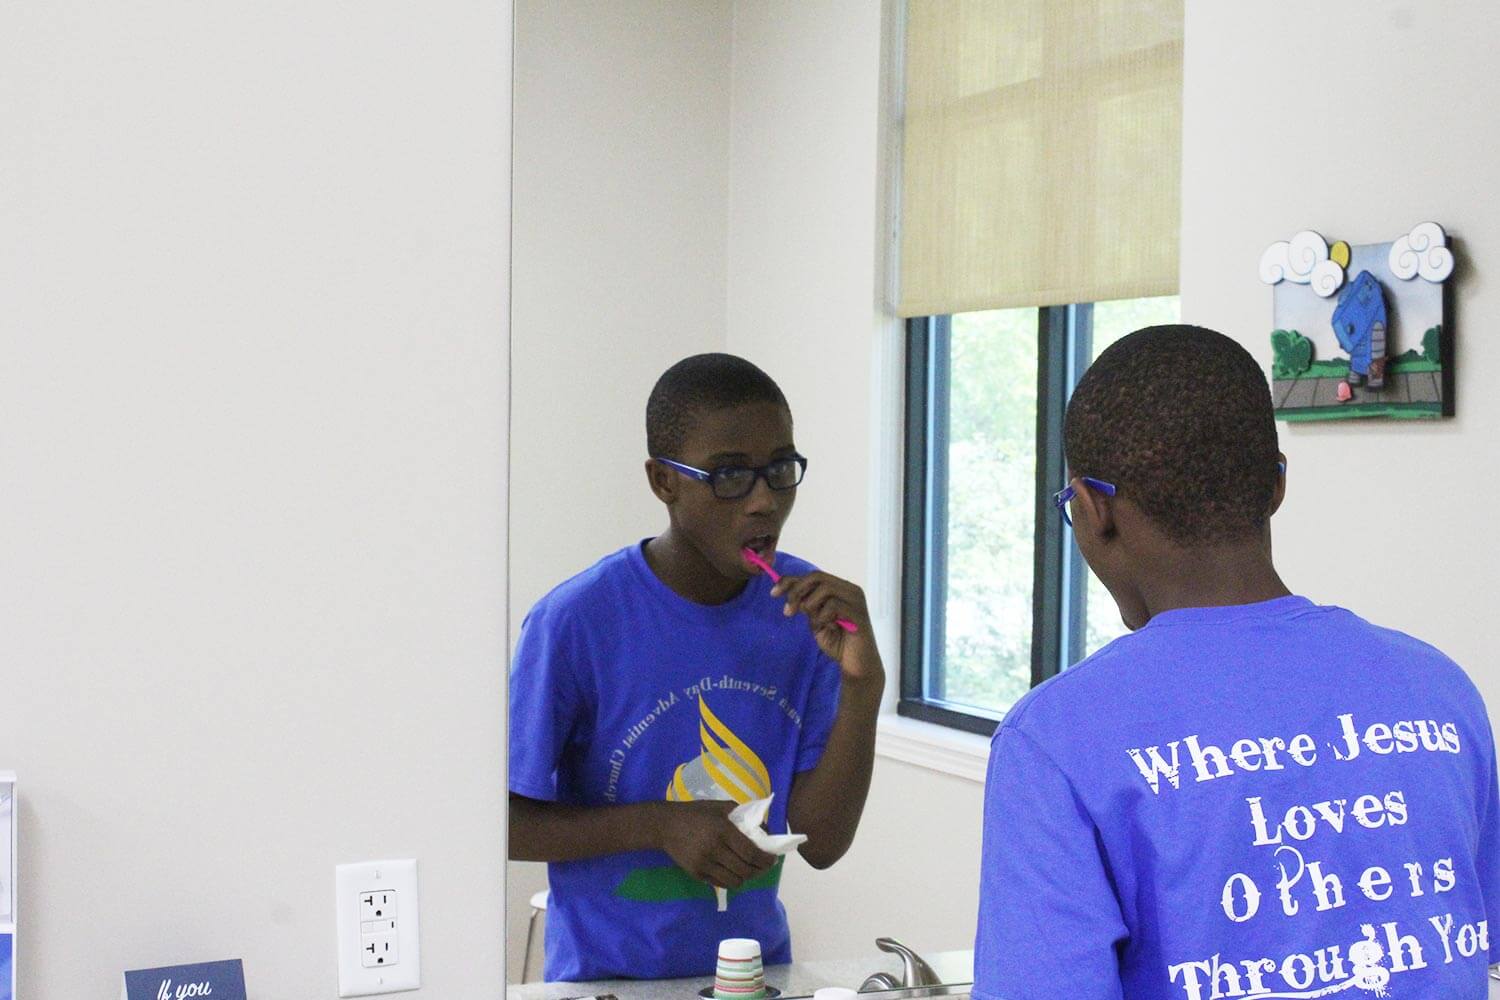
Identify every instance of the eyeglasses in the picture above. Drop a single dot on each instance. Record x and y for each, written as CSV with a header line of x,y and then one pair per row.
x,y
1061,497
734,482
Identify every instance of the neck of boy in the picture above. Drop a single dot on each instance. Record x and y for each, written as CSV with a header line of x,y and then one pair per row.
x,y
1210,576
687,573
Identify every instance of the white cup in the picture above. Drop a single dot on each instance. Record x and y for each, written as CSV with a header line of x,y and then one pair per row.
x,y
739,949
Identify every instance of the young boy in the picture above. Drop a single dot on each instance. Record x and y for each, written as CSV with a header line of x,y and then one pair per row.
x,y
1251,795
671,681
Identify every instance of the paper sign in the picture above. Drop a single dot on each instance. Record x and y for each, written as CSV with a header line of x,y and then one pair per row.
x,y
204,981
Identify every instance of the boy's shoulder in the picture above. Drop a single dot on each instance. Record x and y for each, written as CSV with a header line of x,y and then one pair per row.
x,y
1399,651
1404,649
583,593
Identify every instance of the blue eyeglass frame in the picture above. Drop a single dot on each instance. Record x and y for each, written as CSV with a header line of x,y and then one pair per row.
x,y
1061,497
761,472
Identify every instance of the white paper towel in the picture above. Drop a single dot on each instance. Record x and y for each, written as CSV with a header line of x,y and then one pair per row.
x,y
749,817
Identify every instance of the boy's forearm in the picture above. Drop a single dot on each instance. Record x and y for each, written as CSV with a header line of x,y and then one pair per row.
x,y
551,831
827,802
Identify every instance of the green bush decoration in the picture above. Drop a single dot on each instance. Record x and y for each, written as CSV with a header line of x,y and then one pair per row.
x,y
1430,345
1291,353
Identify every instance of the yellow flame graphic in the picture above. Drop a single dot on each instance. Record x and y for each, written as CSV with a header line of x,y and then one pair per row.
x,y
725,759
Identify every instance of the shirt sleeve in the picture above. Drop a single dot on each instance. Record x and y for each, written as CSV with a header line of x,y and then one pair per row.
x,y
822,709
1049,921
544,706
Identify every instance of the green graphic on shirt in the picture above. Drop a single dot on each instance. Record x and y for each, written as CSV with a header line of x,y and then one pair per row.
x,y
670,883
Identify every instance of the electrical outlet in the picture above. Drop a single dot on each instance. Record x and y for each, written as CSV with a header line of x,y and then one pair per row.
x,y
377,904
376,908
376,950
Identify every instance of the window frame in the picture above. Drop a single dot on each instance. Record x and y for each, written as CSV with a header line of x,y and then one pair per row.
x,y
1059,577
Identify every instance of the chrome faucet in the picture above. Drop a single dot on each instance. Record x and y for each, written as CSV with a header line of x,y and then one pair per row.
x,y
914,970
879,981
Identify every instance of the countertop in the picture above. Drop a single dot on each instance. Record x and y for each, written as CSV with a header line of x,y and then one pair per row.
x,y
798,979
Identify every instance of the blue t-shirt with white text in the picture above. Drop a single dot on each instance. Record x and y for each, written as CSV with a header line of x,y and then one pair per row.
x,y
1272,800
623,691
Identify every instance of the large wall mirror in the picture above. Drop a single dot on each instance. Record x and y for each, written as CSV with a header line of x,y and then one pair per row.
x,y
645,133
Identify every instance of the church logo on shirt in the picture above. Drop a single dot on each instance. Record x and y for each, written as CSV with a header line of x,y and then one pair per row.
x,y
726,767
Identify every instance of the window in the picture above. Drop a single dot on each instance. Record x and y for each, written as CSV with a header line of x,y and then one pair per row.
x,y
997,598
1040,166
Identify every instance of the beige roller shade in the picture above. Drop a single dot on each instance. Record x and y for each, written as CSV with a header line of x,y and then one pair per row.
x,y
1042,152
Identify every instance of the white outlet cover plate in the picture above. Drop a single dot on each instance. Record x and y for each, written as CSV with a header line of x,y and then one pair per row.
x,y
350,882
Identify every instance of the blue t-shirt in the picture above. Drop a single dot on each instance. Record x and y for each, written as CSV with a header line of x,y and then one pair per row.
x,y
623,691
1265,800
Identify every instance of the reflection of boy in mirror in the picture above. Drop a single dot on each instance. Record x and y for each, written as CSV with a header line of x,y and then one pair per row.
x,y
656,690
1251,794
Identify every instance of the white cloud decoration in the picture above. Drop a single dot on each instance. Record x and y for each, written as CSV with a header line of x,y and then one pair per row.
x,y
1304,260
1422,251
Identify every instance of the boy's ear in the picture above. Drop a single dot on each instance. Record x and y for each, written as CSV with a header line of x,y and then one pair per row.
x,y
1093,512
663,481
1280,493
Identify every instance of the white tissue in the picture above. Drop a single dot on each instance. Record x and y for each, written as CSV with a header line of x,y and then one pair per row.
x,y
748,818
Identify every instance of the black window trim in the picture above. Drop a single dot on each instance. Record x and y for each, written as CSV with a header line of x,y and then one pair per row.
x,y
1059,581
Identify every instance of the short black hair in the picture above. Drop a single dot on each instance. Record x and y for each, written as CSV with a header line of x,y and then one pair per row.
x,y
1179,418
703,381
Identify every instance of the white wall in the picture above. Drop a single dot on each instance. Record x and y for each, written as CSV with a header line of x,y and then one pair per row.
x,y
621,173
253,336
802,239
1387,518
621,179
806,284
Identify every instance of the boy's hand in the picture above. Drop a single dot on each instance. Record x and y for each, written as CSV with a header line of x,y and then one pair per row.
x,y
825,599
700,838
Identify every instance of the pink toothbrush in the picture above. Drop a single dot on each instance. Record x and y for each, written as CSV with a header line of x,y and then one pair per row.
x,y
754,558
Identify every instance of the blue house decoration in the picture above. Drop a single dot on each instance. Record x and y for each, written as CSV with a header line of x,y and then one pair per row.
x,y
1376,344
1359,324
